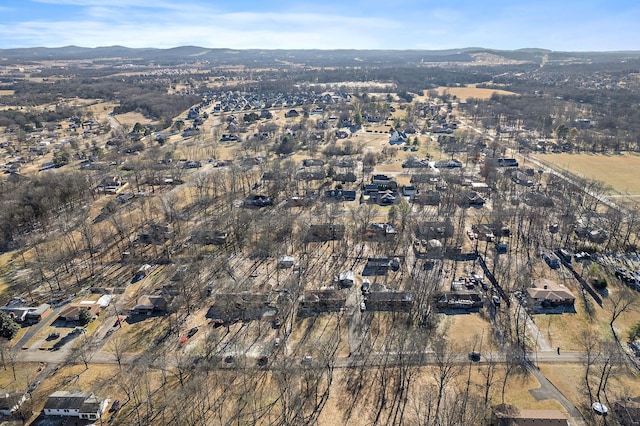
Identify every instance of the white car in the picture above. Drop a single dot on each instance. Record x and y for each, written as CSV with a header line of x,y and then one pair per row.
x,y
363,307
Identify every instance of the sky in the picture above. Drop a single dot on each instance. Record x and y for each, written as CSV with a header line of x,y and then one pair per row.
x,y
564,25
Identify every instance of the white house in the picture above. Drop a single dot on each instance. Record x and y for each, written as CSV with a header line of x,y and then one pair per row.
x,y
10,402
75,403
397,138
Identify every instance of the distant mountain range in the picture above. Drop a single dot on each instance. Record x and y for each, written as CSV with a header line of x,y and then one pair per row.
x,y
311,57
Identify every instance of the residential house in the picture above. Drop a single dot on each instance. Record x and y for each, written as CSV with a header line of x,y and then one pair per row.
x,y
409,191
256,201
341,134
311,175
72,311
383,181
548,293
75,403
396,137
323,300
36,314
20,312
345,177
340,195
210,237
385,198
111,184
428,198
381,298
312,162
380,265
521,178
292,114
416,163
242,306
507,162
473,198
430,230
509,415
11,402
286,262
483,232
448,164
377,231
150,304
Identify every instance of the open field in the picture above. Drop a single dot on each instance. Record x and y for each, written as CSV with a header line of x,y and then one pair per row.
x,y
569,379
470,91
5,92
131,118
620,172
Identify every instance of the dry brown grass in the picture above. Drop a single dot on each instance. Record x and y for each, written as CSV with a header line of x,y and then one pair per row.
x,y
472,92
6,92
565,330
620,172
131,118
310,336
469,332
569,379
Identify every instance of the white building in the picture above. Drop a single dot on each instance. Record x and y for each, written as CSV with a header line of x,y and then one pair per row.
x,y
75,403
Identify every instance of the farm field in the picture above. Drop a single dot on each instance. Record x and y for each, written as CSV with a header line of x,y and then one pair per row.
x,y
620,172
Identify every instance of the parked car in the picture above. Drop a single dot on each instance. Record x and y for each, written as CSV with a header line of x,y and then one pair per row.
x,y
366,284
277,322
114,406
192,332
363,307
53,335
307,359
474,356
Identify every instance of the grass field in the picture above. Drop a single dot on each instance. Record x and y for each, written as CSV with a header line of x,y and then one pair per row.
x,y
620,172
569,379
472,92
131,118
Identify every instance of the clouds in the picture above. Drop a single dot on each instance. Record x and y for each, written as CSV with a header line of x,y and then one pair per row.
x,y
330,24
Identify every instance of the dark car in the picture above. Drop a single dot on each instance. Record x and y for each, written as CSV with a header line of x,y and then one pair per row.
x,y
474,356
114,406
192,332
